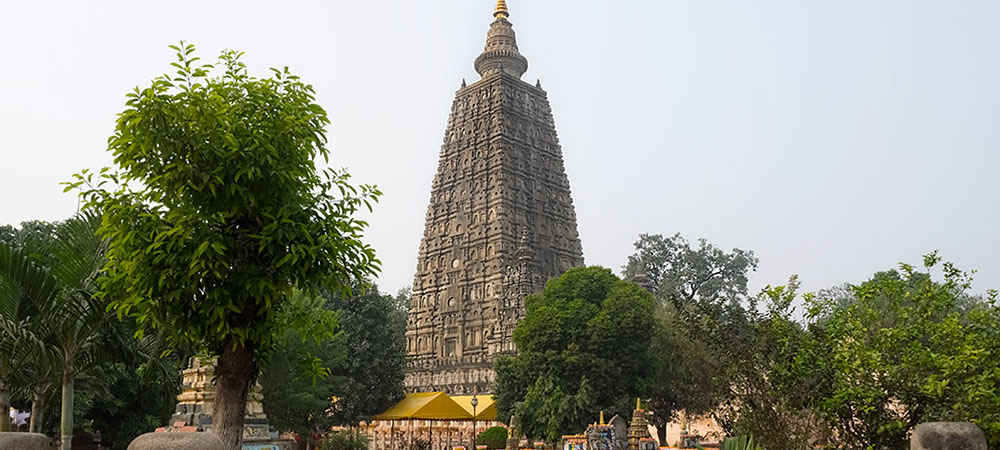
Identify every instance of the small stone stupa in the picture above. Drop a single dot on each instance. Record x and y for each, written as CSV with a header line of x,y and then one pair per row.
x,y
638,430
196,402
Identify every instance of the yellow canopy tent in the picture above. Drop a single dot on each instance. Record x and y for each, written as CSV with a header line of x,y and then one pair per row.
x,y
428,406
486,409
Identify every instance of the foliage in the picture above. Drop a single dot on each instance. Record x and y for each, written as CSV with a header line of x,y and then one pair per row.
x,y
32,238
494,438
215,211
687,370
908,350
418,444
344,440
583,346
674,271
370,379
360,367
700,320
295,383
127,400
70,326
738,443
774,375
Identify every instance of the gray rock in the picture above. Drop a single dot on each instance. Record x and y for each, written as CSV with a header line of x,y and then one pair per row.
x,y
176,441
948,436
24,441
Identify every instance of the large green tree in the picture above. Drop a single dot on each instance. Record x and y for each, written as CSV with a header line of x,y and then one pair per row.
x,y
701,320
215,211
773,374
904,349
370,379
704,275
583,346
361,365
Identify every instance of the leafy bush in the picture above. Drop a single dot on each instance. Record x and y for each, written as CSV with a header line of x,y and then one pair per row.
x,y
418,444
738,443
344,440
494,438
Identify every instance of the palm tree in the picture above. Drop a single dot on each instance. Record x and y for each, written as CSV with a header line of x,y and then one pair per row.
x,y
18,344
30,365
77,321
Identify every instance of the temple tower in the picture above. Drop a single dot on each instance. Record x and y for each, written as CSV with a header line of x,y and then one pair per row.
x,y
499,225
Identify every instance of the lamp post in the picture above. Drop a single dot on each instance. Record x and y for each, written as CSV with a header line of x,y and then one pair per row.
x,y
474,402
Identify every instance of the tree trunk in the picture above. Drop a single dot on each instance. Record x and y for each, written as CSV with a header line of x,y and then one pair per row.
x,y
66,420
4,399
37,409
233,370
661,433
5,424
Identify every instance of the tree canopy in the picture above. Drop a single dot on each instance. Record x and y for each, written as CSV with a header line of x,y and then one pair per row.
x,y
362,365
701,292
583,346
907,349
49,309
674,271
215,211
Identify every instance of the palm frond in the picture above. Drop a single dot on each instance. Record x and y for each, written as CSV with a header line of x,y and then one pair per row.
x,y
79,251
21,279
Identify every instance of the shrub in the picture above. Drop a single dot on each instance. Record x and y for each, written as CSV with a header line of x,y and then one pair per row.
x,y
344,440
494,438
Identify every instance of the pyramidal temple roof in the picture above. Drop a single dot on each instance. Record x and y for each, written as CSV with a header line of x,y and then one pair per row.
x,y
501,52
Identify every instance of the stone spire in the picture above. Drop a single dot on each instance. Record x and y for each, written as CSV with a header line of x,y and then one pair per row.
x,y
501,54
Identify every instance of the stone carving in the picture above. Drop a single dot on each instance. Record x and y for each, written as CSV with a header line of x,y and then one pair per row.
x,y
947,436
500,223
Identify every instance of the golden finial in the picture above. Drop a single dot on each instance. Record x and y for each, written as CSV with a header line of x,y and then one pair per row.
x,y
638,404
501,10
602,412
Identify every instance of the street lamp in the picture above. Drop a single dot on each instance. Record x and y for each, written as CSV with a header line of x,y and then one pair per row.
x,y
475,402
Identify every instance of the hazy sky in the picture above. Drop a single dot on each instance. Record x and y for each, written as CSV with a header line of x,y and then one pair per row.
x,y
833,138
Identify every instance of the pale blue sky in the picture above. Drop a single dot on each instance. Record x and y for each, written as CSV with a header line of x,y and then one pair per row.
x,y
834,138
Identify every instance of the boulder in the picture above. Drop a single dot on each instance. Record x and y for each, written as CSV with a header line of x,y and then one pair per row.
x,y
24,441
176,441
948,436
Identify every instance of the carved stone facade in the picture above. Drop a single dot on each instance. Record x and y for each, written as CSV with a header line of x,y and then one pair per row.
x,y
499,225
